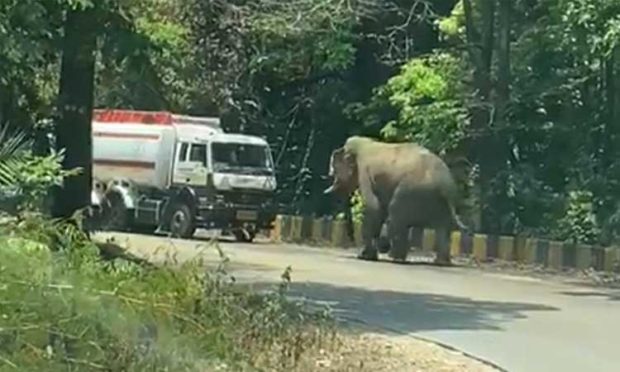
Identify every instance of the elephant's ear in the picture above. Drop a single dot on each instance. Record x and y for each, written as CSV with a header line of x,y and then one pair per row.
x,y
350,158
337,155
343,168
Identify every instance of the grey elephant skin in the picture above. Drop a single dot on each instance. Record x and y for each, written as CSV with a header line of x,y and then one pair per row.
x,y
403,185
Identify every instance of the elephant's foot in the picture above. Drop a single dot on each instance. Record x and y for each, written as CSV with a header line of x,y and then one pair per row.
x,y
443,261
398,252
398,255
368,255
383,245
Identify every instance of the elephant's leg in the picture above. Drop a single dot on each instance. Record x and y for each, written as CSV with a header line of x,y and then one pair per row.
x,y
399,214
442,246
443,226
383,241
398,232
371,228
371,225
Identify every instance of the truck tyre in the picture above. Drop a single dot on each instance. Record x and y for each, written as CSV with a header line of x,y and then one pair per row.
x,y
182,223
115,215
240,236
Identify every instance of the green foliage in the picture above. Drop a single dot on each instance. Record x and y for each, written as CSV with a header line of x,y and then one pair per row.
x,y
146,60
28,30
453,27
278,69
310,73
593,25
427,95
558,132
579,224
13,147
286,70
357,207
63,307
35,176
70,310
559,124
283,37
26,178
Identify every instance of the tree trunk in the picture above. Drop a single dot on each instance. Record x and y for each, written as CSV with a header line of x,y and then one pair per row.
x,y
611,125
503,56
480,48
73,128
498,143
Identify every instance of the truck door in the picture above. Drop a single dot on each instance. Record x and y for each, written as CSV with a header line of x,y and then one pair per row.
x,y
191,167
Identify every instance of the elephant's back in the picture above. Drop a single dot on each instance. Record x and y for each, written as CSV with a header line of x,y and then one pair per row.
x,y
418,167
390,164
413,160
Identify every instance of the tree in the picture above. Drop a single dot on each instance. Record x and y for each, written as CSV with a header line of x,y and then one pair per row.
x,y
73,127
84,25
289,71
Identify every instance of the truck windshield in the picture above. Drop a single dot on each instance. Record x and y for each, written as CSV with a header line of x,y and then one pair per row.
x,y
244,158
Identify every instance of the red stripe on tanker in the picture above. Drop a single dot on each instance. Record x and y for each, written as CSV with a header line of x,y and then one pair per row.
x,y
133,117
125,163
153,137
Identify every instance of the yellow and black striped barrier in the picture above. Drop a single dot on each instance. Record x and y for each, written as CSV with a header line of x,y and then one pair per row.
x,y
328,232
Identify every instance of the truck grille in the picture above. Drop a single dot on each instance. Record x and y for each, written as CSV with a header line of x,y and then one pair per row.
x,y
247,198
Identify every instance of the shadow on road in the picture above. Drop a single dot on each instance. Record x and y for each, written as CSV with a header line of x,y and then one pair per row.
x,y
412,260
414,312
611,296
225,239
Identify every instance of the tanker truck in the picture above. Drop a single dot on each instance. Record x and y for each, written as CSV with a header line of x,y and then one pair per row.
x,y
163,172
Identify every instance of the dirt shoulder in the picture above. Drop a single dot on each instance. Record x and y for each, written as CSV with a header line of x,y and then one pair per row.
x,y
586,278
376,352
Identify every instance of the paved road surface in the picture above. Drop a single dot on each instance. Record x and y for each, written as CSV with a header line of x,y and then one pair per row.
x,y
518,323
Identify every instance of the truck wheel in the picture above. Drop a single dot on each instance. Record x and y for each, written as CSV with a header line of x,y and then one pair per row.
x,y
182,221
240,236
115,215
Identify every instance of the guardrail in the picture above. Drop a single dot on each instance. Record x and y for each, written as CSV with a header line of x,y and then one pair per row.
x,y
328,232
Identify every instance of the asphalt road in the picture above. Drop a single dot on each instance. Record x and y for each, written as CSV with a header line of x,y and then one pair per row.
x,y
517,323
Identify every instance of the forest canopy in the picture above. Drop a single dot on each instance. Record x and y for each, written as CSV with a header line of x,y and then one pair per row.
x,y
526,91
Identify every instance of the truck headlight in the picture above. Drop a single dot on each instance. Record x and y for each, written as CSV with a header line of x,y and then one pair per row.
x,y
225,184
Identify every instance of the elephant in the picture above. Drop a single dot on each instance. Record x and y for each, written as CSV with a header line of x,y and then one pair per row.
x,y
403,185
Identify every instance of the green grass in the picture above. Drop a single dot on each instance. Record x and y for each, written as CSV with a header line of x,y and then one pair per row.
x,y
63,309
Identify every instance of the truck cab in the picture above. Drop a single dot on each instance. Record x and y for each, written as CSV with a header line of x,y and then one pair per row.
x,y
233,179
175,174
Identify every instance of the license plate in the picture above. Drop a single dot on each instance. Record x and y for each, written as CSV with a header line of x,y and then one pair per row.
x,y
247,215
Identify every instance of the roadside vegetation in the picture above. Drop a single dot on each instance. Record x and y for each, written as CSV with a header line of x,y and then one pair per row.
x,y
66,306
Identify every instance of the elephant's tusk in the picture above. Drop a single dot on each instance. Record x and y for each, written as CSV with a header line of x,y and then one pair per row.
x,y
329,190
246,234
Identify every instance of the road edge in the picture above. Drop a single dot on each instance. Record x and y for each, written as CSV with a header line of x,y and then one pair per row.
x,y
373,328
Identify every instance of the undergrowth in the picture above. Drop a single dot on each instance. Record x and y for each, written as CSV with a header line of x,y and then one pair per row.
x,y
65,306
62,308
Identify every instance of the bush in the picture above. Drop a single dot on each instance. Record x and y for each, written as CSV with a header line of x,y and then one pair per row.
x,y
65,308
69,309
357,207
579,224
